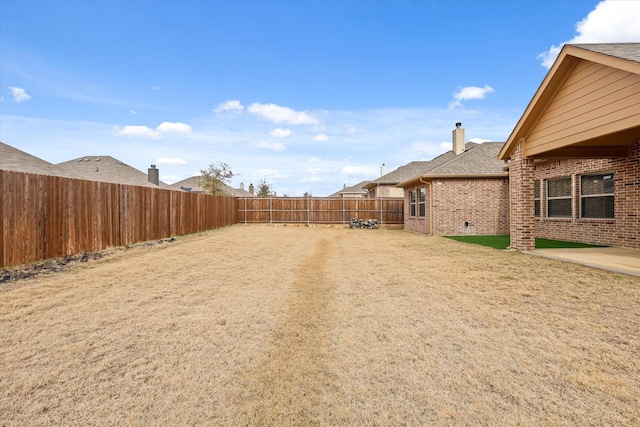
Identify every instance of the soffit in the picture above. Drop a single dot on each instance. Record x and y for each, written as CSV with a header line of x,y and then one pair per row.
x,y
615,137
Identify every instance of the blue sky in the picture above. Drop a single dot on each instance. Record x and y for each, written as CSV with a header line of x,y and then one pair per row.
x,y
309,95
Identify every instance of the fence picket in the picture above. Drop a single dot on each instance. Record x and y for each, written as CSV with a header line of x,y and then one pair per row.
x,y
49,216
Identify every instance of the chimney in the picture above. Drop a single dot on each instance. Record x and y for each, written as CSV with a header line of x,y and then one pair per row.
x,y
242,185
154,175
383,170
458,139
251,189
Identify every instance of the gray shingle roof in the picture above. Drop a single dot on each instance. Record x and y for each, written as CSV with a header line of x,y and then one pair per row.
x,y
193,185
108,169
354,189
628,51
16,160
417,168
482,160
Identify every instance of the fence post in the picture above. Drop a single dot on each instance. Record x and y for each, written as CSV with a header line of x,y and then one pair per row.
x,y
308,210
270,210
245,210
381,202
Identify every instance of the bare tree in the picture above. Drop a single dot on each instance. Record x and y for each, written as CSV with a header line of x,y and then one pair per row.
x,y
214,179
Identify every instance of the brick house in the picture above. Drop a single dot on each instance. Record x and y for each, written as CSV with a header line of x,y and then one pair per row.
x,y
356,191
574,155
466,194
387,184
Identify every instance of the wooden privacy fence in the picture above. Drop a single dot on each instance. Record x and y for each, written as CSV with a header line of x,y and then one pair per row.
x,y
318,210
48,216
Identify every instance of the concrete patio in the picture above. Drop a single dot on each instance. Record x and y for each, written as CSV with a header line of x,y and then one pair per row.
x,y
626,261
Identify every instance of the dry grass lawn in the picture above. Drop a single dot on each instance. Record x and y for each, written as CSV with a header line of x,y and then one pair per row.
x,y
262,325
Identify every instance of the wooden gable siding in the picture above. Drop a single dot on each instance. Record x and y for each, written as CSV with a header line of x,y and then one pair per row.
x,y
594,100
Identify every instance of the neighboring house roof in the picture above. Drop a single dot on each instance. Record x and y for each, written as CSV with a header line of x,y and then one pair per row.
x,y
191,184
586,106
108,169
16,160
413,169
480,162
354,189
194,185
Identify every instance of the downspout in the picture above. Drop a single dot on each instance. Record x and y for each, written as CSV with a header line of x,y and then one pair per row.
x,y
430,205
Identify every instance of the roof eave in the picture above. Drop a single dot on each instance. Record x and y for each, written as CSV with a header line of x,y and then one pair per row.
x,y
559,71
428,177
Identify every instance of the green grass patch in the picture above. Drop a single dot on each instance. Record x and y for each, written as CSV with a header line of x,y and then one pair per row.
x,y
502,242
496,242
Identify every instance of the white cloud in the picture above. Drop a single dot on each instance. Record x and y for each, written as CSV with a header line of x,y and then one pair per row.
x,y
446,145
19,94
318,171
170,179
137,132
275,146
231,106
132,112
610,22
155,88
360,170
311,179
469,92
147,132
321,138
170,161
278,114
281,133
176,127
478,140
268,173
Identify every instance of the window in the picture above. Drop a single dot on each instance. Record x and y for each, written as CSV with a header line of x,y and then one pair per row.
x,y
412,203
422,197
596,196
536,197
559,198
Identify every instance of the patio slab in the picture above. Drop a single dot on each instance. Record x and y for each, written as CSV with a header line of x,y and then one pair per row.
x,y
626,261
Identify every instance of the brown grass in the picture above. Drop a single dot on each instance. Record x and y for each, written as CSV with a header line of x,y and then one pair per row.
x,y
268,325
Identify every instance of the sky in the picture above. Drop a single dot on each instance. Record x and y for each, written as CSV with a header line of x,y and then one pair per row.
x,y
307,95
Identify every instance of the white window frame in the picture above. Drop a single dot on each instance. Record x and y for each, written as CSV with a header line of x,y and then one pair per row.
x,y
422,203
412,203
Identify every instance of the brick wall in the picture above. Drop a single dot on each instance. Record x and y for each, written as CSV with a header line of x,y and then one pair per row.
x,y
623,230
417,224
463,206
522,207
385,191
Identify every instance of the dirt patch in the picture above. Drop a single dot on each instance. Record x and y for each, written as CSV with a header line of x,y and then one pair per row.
x,y
260,325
